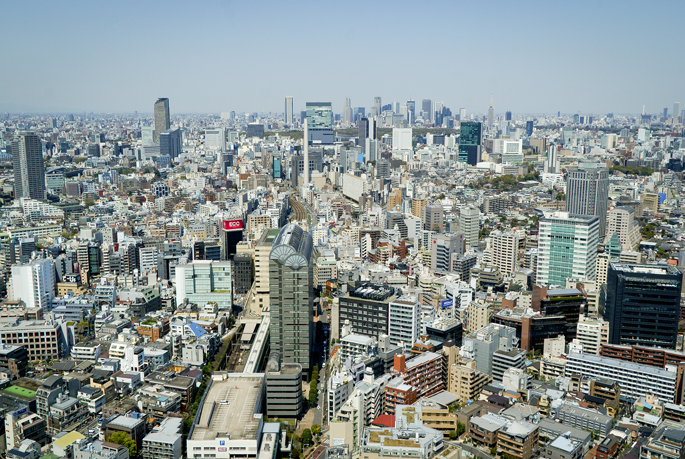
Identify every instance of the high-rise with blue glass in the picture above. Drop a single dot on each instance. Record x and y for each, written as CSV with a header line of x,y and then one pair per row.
x,y
567,248
470,142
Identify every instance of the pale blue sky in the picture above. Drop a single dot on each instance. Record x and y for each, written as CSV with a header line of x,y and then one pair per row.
x,y
212,56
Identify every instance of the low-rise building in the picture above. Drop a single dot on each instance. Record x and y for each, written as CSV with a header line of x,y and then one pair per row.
x,y
164,442
564,447
519,439
582,418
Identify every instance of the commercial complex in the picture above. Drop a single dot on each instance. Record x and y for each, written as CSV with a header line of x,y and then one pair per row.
x,y
291,295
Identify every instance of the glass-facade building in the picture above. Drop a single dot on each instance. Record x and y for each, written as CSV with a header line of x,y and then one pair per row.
x,y
643,304
470,142
320,123
205,281
291,278
567,248
277,167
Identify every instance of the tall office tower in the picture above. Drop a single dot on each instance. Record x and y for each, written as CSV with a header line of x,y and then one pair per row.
x,y
277,166
676,110
491,113
376,106
320,123
462,114
643,304
411,111
444,247
504,251
170,143
289,110
437,112
368,130
469,225
427,108
162,119
347,111
432,217
587,192
567,248
29,171
290,295
507,116
305,179
665,113
470,141
529,128
551,164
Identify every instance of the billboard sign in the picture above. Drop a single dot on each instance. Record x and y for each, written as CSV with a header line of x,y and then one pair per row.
x,y
447,303
232,225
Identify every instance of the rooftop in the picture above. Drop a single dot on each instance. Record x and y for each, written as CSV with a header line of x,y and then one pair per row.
x,y
229,408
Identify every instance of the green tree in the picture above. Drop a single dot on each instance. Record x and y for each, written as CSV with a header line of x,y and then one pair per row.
x,y
296,453
461,428
453,435
306,437
120,438
88,202
493,451
316,429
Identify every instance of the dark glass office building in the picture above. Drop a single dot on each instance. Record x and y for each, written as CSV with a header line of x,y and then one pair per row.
x,y
470,141
529,128
643,304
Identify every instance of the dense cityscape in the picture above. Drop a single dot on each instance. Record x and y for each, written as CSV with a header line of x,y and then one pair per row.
x,y
406,279
342,230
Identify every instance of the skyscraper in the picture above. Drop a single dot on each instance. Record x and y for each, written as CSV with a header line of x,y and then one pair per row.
x,y
470,141
643,304
427,109
320,122
676,110
462,114
367,130
587,192
567,248
170,143
411,111
529,128
290,295
347,111
491,113
376,106
305,179
162,119
289,110
507,116
29,171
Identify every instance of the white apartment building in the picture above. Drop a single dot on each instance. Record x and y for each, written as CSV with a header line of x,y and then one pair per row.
x,y
404,321
635,379
34,283
148,259
504,251
591,333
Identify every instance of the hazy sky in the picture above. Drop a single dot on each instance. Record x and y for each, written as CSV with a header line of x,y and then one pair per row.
x,y
211,56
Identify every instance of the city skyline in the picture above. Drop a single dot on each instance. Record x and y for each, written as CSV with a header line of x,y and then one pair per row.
x,y
548,71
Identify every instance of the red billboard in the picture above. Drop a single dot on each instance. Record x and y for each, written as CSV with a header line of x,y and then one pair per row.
x,y
233,225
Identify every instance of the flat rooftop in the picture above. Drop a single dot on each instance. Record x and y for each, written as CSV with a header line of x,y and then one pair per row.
x,y
234,419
